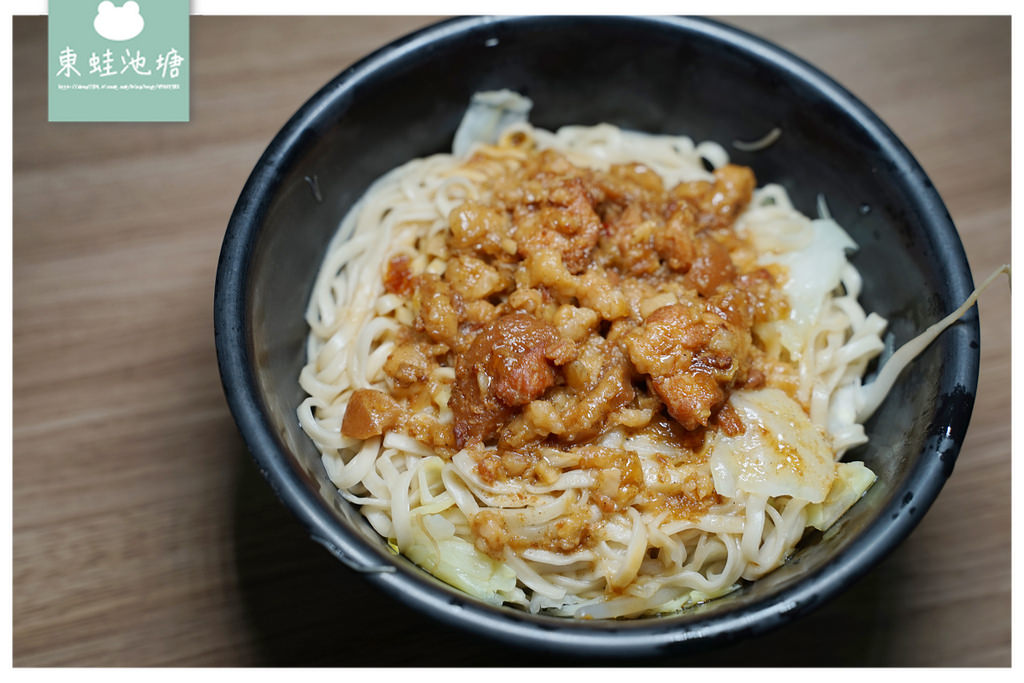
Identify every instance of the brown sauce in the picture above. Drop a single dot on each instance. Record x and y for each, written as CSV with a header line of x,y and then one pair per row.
x,y
575,301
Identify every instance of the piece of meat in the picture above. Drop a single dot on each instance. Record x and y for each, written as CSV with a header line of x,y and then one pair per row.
x,y
675,242
629,183
593,289
692,355
552,212
507,365
397,275
369,413
689,397
711,268
474,279
667,340
481,229
719,202
599,383
408,363
612,389
765,300
632,236
575,323
439,309
733,190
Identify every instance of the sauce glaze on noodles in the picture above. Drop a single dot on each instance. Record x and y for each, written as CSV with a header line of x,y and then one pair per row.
x,y
775,473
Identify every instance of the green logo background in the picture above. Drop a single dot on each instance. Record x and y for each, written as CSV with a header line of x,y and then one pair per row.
x,y
88,83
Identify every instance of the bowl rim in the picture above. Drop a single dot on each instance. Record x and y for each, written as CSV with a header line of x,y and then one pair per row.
x,y
643,637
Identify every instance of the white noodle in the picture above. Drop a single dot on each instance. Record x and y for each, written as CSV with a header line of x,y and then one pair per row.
x,y
411,496
767,140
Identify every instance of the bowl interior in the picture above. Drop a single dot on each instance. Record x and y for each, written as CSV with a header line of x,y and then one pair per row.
x,y
686,77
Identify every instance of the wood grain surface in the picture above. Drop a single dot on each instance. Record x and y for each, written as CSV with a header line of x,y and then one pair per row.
x,y
142,532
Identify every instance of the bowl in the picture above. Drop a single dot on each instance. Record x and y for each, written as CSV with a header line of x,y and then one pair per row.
x,y
658,75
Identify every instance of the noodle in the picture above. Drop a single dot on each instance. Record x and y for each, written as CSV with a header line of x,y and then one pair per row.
x,y
769,139
585,535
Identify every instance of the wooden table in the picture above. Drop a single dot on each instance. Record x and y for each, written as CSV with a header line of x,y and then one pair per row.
x,y
143,534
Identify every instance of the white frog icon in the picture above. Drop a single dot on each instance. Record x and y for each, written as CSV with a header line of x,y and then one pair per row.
x,y
118,23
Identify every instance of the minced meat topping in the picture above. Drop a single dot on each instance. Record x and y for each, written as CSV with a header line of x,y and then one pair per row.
x,y
576,301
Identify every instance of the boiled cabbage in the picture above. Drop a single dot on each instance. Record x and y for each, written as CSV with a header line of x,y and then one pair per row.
x,y
813,254
852,480
488,115
463,566
779,453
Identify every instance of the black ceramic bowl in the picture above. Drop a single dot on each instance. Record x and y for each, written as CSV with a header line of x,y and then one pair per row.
x,y
662,75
